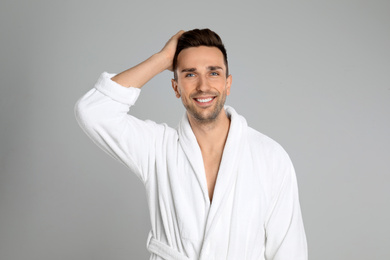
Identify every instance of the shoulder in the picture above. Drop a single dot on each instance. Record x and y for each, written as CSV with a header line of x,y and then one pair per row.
x,y
271,154
258,143
261,141
161,130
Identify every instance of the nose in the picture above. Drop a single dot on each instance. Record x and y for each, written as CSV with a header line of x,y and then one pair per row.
x,y
202,84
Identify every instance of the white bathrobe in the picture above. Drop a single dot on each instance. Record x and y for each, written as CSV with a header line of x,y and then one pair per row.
x,y
255,211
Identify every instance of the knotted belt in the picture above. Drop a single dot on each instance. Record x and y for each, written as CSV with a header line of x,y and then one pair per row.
x,y
156,247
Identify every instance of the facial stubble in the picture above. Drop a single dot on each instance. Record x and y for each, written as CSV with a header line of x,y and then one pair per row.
x,y
198,113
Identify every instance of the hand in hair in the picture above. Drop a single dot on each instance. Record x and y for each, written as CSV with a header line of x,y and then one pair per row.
x,y
170,47
138,75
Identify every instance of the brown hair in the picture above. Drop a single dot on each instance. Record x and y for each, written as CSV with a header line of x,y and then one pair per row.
x,y
196,38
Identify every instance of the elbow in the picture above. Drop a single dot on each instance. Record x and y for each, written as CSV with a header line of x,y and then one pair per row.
x,y
85,115
80,111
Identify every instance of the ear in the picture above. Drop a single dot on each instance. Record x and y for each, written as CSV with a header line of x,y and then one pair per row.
x,y
175,88
228,84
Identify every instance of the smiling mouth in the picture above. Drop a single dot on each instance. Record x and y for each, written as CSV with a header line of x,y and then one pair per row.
x,y
204,100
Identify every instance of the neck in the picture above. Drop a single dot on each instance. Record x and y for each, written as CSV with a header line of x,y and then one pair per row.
x,y
211,135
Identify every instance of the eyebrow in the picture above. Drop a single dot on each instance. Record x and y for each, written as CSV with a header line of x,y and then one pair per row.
x,y
189,70
214,68
209,68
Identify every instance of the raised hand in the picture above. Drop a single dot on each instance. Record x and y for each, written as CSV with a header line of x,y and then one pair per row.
x,y
138,75
170,48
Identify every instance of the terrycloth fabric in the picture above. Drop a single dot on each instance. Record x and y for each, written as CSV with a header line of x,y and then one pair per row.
x,y
255,212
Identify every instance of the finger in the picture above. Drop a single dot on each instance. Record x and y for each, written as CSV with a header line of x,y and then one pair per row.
x,y
178,34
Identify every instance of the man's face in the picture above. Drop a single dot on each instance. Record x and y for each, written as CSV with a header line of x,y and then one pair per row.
x,y
201,82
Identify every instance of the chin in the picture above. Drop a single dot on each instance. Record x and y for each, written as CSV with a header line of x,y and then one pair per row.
x,y
205,116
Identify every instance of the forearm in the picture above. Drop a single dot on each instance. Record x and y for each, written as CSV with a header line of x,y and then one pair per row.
x,y
139,75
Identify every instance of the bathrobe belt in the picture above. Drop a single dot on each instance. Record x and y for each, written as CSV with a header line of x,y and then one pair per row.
x,y
163,250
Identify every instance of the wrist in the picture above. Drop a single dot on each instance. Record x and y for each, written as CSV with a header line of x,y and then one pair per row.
x,y
165,60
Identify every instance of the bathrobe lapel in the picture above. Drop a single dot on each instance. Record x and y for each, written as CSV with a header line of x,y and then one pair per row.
x,y
193,153
228,169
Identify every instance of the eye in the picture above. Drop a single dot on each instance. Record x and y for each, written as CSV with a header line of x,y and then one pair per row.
x,y
190,75
214,73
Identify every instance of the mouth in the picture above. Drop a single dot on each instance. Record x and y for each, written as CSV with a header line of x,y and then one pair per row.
x,y
204,101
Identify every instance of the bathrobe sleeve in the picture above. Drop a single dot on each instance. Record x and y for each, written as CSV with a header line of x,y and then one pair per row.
x,y
285,234
103,115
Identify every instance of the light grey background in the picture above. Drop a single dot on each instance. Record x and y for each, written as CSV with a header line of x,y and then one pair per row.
x,y
315,76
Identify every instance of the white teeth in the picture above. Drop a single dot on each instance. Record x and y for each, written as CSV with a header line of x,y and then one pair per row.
x,y
204,100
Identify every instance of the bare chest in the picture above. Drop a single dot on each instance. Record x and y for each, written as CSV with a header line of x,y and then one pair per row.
x,y
211,165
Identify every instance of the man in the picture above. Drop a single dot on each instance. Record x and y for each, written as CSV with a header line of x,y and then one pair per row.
x,y
216,188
